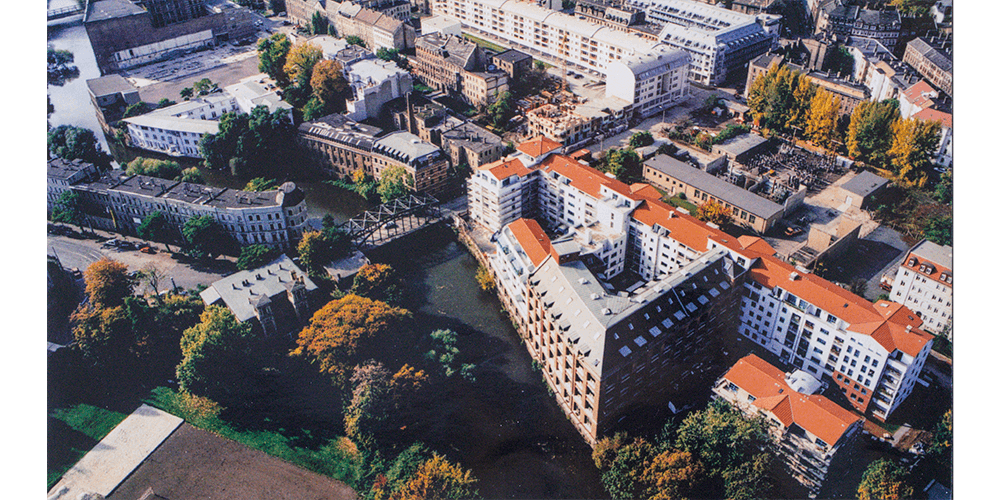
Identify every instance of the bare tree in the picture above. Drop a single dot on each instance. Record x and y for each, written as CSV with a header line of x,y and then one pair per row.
x,y
152,276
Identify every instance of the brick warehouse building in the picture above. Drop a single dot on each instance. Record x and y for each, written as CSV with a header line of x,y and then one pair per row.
x,y
124,35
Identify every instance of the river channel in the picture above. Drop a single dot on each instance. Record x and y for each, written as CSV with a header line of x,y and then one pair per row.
x,y
504,426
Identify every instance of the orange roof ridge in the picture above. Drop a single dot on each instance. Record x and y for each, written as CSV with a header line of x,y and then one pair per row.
x,y
532,239
502,169
538,146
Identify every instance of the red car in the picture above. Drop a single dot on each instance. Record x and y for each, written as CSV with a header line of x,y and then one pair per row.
x,y
792,230
147,249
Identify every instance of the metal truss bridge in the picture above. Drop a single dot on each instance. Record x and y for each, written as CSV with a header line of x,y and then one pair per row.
x,y
392,220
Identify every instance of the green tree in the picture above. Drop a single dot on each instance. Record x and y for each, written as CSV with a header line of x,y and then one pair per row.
x,y
354,40
300,62
395,183
501,110
623,478
204,86
704,141
944,188
640,139
943,436
839,62
624,164
217,356
139,108
437,479
251,145
71,143
337,240
884,480
258,184
192,175
314,252
163,169
205,236
67,209
165,103
155,227
272,53
912,8
938,229
187,93
254,256
60,67
726,442
869,135
393,55
319,24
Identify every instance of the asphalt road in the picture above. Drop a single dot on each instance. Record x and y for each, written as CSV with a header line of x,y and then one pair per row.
x,y
80,252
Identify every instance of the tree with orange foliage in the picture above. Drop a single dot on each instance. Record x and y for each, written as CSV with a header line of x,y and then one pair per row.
x,y
341,333
437,479
713,211
378,282
375,395
108,283
884,480
673,475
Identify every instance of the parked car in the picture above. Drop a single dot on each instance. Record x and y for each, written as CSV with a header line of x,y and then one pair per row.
x,y
75,273
125,245
113,242
147,249
793,230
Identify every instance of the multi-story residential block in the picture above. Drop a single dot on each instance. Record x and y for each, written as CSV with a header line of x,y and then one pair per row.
x,y
605,350
178,129
874,353
918,97
810,429
884,75
64,174
545,33
943,152
472,145
931,59
838,18
923,283
376,29
652,81
513,62
748,209
277,298
455,65
119,203
560,123
124,35
301,12
719,41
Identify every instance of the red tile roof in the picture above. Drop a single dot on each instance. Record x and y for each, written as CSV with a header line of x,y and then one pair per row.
x,y
814,413
920,94
933,115
756,244
532,239
538,146
502,169
939,268
582,177
863,316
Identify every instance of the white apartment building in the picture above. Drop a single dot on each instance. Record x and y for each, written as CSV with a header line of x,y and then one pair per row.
x,y
544,33
120,203
874,353
923,283
651,81
720,42
177,130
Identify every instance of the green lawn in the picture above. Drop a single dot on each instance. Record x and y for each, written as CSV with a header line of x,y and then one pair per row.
x,y
484,44
677,202
73,432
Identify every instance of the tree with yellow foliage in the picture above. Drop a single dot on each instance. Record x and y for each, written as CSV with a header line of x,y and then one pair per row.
x,y
437,479
378,282
301,60
884,480
108,283
913,142
714,212
821,126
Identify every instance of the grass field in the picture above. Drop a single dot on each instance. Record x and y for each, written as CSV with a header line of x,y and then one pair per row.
x,y
73,431
677,202
484,44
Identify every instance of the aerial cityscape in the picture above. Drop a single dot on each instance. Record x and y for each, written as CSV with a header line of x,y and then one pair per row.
x,y
409,249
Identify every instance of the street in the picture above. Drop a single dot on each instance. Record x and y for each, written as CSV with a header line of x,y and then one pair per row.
x,y
81,252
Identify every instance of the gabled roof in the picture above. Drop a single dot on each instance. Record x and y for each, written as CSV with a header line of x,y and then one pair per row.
x,y
816,414
502,169
756,244
920,94
586,179
538,146
532,239
932,115
863,316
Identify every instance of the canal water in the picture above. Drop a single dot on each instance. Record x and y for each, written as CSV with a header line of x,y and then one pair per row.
x,y
504,427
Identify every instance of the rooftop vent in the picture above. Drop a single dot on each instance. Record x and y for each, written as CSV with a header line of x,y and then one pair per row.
x,y
595,296
606,311
793,276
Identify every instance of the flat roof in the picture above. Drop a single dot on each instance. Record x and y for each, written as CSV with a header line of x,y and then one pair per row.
x,y
111,9
864,183
740,144
511,55
167,122
938,254
111,84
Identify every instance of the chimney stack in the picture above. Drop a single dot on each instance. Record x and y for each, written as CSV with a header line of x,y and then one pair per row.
x,y
410,125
